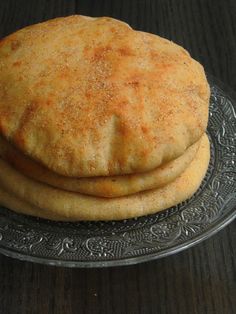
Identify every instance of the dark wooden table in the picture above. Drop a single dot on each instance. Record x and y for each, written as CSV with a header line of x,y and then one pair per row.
x,y
199,280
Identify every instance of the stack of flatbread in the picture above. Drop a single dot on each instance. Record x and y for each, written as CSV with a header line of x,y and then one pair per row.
x,y
99,121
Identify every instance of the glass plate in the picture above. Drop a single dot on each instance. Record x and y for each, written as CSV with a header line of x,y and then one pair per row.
x,y
99,244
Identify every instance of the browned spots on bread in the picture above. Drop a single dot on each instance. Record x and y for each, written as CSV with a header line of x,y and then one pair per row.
x,y
15,44
100,53
17,63
126,51
145,128
134,83
26,118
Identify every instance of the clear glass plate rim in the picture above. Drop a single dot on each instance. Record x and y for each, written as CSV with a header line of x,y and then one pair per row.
x,y
215,228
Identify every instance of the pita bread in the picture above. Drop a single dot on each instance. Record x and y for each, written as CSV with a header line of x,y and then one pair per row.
x,y
93,97
113,186
43,201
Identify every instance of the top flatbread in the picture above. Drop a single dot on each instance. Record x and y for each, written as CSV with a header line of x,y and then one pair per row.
x,y
92,97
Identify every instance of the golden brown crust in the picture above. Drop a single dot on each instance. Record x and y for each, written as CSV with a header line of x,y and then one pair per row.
x,y
112,186
91,97
27,196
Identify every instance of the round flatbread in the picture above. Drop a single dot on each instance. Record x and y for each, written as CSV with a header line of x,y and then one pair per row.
x,y
93,97
55,204
112,186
